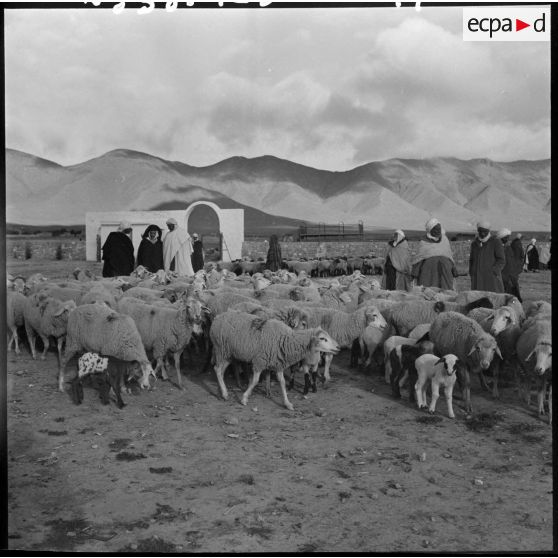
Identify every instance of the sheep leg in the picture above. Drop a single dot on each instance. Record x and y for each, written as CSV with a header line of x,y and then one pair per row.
x,y
268,383
292,378
464,381
483,381
45,346
314,373
435,394
541,392
286,401
115,381
495,373
14,339
67,355
59,344
328,357
32,340
420,391
220,372
253,383
448,392
356,351
177,366
77,390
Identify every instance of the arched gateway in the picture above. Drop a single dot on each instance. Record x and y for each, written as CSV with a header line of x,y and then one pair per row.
x,y
98,225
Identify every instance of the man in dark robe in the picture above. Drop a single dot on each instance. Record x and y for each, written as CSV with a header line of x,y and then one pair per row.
x,y
273,261
397,269
433,265
532,257
150,251
118,252
197,253
486,260
513,265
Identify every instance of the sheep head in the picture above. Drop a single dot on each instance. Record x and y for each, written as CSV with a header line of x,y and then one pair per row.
x,y
373,317
450,363
502,318
194,313
323,342
483,351
543,354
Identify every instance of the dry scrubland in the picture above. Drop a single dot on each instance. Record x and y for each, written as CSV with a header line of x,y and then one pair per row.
x,y
351,469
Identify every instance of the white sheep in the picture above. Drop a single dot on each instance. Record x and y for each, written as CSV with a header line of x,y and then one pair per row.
x,y
454,333
266,344
419,331
534,352
497,299
15,305
439,372
165,330
47,317
99,329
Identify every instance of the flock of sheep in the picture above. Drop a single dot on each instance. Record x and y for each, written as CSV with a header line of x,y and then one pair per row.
x,y
282,322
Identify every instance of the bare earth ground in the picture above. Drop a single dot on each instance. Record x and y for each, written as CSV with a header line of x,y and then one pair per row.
x,y
350,470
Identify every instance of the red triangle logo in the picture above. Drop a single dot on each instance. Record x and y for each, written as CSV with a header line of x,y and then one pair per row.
x,y
519,25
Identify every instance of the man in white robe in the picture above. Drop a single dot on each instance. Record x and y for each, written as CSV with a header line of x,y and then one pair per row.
x,y
177,249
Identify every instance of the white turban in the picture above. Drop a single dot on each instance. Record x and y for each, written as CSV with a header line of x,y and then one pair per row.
x,y
431,223
124,225
172,221
502,233
483,224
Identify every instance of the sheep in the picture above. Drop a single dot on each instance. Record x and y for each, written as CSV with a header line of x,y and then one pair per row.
x,y
440,372
165,330
497,299
324,268
109,371
99,329
310,267
143,293
220,302
402,359
48,317
405,316
536,341
98,293
15,305
457,334
390,344
293,292
61,293
339,266
266,344
343,327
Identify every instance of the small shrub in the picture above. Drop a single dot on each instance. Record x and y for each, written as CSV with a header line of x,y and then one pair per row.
x,y
58,254
28,251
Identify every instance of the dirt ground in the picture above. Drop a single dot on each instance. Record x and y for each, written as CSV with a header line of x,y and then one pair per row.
x,y
350,470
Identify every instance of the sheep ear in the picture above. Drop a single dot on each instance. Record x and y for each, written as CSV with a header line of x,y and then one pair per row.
x,y
530,355
499,353
490,317
60,311
472,350
439,361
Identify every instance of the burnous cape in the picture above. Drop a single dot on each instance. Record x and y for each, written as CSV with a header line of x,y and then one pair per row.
x,y
177,246
118,255
197,256
433,265
485,265
150,254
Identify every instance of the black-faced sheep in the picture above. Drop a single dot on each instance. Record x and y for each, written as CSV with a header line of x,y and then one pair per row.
x,y
439,372
98,329
47,317
266,344
390,344
165,330
454,333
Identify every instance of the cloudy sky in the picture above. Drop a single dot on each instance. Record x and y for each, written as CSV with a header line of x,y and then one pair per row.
x,y
330,88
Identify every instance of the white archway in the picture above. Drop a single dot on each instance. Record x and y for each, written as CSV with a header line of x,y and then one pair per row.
x,y
231,226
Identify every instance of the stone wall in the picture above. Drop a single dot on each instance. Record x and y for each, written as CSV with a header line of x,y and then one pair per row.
x,y
297,250
45,249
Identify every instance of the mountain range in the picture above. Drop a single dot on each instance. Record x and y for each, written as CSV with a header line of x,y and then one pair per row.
x,y
396,193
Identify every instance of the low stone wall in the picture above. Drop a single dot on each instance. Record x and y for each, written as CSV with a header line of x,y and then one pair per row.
x,y
308,250
45,249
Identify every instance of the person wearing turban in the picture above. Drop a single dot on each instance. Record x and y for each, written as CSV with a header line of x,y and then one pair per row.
x,y
118,252
177,250
486,260
397,269
150,251
513,265
532,257
433,266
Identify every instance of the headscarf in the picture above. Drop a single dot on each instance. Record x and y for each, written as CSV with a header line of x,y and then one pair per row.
x,y
152,228
502,233
400,237
431,223
123,226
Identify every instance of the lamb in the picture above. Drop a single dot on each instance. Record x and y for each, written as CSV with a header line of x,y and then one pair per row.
x,y
110,373
390,344
97,328
165,330
454,333
534,351
15,305
266,344
371,339
402,359
440,372
48,317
